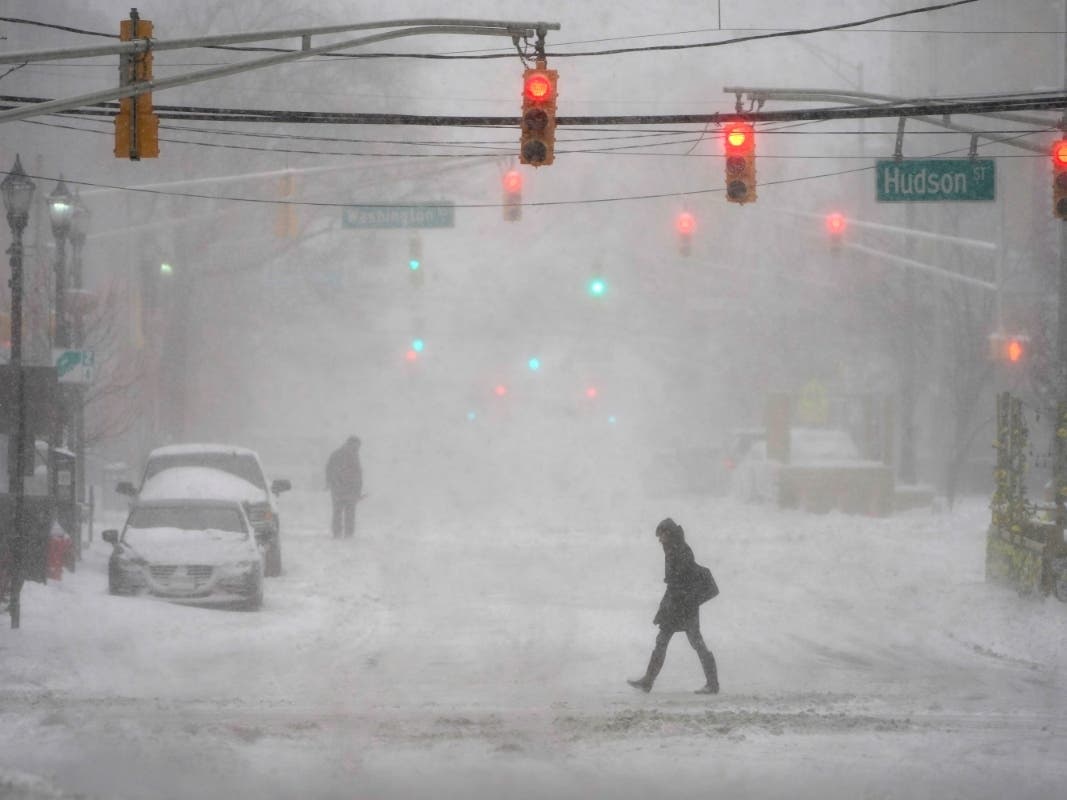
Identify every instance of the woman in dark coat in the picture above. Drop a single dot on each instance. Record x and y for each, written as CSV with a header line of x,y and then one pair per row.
x,y
679,610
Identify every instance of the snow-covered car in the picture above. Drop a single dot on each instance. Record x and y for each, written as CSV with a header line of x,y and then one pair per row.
x,y
223,471
756,477
192,550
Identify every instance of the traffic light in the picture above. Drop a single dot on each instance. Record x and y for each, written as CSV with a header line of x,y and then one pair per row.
x,y
538,116
534,363
414,350
685,224
415,270
1009,349
512,195
1059,178
597,287
835,227
136,124
740,146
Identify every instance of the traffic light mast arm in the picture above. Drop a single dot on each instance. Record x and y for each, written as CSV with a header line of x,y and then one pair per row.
x,y
461,27
867,100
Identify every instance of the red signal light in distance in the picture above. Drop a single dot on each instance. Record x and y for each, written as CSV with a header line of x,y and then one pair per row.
x,y
686,223
1059,154
513,181
500,390
1014,350
836,223
591,392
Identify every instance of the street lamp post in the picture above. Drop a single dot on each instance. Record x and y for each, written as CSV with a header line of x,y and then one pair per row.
x,y
17,190
60,210
79,223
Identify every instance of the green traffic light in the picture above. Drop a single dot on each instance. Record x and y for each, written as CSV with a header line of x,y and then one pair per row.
x,y
597,287
414,264
166,269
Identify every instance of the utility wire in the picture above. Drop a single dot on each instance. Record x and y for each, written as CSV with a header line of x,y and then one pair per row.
x,y
616,51
587,201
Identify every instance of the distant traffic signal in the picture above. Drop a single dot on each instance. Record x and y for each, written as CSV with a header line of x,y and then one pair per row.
x,y
136,124
415,270
512,196
685,224
835,227
537,143
1009,349
740,149
597,287
1059,178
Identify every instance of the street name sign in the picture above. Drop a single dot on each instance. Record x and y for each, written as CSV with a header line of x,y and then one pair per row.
x,y
936,180
441,214
74,366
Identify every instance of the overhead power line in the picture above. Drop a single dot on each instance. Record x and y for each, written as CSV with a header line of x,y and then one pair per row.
x,y
1051,101
565,54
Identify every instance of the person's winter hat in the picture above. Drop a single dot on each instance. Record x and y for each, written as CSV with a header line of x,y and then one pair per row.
x,y
669,527
354,440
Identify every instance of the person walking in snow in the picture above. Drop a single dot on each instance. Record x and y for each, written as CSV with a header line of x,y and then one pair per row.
x,y
344,478
688,585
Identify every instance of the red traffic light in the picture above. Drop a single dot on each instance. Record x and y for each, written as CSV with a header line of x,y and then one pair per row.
x,y
836,223
686,223
538,87
1014,350
1059,154
513,181
740,138
500,390
591,392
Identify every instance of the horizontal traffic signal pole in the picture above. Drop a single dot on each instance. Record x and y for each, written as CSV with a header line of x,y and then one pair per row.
x,y
130,90
304,34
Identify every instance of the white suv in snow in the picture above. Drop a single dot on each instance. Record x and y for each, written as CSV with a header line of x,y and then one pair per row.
x,y
220,471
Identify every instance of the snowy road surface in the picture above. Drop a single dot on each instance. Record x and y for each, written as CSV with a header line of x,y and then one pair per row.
x,y
483,654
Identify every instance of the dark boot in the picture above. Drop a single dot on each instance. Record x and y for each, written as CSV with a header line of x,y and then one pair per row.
x,y
655,663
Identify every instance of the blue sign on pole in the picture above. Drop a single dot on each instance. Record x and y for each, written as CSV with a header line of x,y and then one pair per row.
x,y
441,214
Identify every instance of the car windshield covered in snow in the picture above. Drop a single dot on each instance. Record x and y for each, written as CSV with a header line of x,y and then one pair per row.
x,y
243,465
187,517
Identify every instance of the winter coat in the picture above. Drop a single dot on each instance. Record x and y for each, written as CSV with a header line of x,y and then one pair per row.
x,y
344,474
679,601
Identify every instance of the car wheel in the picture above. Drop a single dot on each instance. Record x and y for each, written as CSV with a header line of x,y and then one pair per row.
x,y
255,601
273,556
113,585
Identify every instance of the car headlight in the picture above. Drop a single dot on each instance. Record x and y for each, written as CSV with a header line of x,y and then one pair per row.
x,y
127,560
238,568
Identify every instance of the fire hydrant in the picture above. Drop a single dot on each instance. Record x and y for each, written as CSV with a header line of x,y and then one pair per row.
x,y
59,543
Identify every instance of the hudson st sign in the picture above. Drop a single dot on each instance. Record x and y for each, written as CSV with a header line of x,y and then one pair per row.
x,y
936,179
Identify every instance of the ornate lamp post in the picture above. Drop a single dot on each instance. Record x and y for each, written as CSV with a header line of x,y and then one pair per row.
x,y
17,190
60,211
